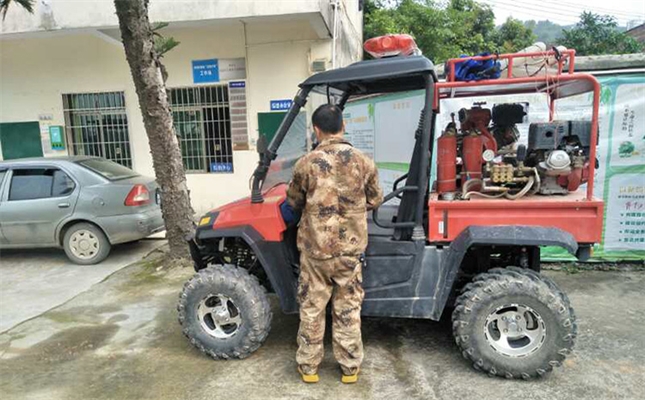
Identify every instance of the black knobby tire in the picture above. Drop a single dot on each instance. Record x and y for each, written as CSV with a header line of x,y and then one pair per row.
x,y
247,295
513,286
97,236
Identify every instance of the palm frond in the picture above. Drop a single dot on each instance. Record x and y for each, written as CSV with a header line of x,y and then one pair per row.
x,y
28,5
159,25
164,45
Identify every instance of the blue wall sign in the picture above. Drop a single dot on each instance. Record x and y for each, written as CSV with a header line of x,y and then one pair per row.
x,y
205,71
221,167
281,105
240,84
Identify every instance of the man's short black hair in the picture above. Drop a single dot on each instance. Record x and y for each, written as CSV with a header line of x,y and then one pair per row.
x,y
328,118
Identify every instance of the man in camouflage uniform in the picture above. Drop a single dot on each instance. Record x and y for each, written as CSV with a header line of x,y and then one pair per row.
x,y
335,185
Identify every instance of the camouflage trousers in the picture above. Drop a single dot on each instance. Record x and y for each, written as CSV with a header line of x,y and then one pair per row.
x,y
340,279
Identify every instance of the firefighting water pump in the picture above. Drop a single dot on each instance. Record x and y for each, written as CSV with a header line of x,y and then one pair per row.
x,y
483,158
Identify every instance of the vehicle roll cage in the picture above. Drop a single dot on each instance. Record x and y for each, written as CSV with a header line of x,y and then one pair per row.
x,y
399,74
364,78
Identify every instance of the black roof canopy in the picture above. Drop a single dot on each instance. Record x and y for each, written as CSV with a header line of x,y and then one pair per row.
x,y
394,74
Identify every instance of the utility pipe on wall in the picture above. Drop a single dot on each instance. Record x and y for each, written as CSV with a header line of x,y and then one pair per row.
x,y
335,4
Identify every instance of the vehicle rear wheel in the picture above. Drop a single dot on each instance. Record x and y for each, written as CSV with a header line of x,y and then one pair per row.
x,y
86,244
514,323
549,282
225,312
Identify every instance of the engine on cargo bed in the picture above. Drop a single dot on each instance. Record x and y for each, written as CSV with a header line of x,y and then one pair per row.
x,y
479,155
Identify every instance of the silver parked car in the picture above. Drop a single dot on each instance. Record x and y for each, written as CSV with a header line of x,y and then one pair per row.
x,y
83,204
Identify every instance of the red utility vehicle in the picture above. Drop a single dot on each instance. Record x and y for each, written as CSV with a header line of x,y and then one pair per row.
x,y
470,244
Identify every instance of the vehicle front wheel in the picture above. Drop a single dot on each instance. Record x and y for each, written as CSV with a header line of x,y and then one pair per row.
x,y
514,323
86,244
225,312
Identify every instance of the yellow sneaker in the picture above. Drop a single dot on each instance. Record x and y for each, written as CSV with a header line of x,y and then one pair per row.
x,y
308,378
349,378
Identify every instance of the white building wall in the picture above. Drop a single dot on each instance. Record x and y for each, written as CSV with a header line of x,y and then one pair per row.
x,y
37,69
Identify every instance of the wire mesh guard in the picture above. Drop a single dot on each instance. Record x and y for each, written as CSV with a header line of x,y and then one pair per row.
x,y
203,123
96,125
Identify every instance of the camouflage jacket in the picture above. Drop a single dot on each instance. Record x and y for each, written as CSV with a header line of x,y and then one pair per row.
x,y
335,185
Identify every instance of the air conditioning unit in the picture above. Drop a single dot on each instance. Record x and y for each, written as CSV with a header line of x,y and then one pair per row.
x,y
319,65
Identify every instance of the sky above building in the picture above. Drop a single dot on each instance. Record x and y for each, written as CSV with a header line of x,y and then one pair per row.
x,y
567,12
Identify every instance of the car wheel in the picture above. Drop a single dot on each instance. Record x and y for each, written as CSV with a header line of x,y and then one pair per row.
x,y
86,244
514,323
225,312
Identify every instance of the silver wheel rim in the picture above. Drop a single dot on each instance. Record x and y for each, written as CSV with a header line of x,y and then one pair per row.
x,y
515,330
219,316
84,244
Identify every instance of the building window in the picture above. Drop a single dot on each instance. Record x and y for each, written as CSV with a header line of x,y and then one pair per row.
x,y
203,123
96,125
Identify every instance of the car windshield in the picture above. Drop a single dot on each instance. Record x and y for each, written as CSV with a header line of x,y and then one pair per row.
x,y
291,149
294,145
108,169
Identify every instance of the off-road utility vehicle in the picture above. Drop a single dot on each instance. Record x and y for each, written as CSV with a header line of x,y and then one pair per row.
x,y
470,244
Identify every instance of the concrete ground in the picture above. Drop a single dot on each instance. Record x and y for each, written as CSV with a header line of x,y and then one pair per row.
x,y
36,280
121,340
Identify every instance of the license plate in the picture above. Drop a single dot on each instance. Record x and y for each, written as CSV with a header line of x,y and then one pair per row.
x,y
158,196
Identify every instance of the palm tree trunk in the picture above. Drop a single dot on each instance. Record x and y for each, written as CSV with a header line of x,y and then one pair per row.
x,y
146,70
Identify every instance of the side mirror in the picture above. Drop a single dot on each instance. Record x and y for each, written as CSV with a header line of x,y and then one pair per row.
x,y
262,144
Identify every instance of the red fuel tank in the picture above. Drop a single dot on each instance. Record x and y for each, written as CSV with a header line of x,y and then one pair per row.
x,y
447,163
472,148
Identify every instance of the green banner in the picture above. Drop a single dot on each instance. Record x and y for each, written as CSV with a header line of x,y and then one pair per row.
x,y
620,180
